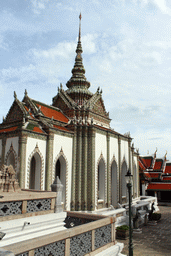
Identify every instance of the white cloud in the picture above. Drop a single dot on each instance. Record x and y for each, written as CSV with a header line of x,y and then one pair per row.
x,y
63,49
160,4
38,5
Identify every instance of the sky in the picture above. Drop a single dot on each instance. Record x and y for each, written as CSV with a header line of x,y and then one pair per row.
x,y
126,51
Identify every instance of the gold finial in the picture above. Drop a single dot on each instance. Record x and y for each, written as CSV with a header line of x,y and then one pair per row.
x,y
79,36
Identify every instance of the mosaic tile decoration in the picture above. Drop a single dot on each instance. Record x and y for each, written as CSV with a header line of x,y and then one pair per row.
x,y
81,244
10,208
54,249
102,236
39,205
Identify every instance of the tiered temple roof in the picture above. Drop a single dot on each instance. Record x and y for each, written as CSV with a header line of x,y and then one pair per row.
x,y
155,171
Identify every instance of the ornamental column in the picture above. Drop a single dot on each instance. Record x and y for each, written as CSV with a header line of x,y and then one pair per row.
x,y
91,170
74,147
85,150
49,161
79,168
22,154
108,172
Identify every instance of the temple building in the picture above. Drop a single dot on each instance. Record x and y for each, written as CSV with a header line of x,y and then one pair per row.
x,y
71,139
155,177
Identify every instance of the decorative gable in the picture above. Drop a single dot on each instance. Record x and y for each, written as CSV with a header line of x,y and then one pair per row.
x,y
99,108
15,113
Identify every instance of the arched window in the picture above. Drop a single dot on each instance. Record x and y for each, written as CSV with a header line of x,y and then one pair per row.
x,y
101,180
60,171
35,172
114,196
124,187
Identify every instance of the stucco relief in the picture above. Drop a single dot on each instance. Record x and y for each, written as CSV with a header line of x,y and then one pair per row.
x,y
36,150
61,153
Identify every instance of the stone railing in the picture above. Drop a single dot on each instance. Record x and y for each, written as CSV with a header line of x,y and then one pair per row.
x,y
81,240
26,203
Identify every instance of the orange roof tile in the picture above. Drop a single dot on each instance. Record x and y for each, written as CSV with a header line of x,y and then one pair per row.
x,y
51,112
10,129
61,128
37,129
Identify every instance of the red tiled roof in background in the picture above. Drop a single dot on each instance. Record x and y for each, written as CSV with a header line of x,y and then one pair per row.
x,y
152,175
159,186
167,178
158,164
167,169
148,162
141,165
50,112
10,129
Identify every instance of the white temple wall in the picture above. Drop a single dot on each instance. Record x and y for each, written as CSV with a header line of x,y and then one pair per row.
x,y
63,146
100,147
33,146
114,149
124,151
114,171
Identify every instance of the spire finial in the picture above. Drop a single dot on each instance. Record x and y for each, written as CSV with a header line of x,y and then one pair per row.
x,y
25,93
15,95
79,36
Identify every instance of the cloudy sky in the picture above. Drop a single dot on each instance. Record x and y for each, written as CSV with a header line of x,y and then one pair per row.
x,y
127,52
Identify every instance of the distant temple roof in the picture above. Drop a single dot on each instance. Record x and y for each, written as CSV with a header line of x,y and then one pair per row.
x,y
155,171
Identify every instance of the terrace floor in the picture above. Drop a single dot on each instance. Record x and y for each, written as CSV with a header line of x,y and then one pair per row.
x,y
154,240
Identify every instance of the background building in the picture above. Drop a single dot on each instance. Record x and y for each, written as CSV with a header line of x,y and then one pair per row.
x,y
155,177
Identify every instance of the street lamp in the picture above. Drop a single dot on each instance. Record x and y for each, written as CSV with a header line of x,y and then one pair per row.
x,y
128,178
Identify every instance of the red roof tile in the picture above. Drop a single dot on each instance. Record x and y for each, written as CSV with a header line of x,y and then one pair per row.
x,y
167,178
146,161
10,129
168,169
158,164
152,175
159,186
142,167
51,112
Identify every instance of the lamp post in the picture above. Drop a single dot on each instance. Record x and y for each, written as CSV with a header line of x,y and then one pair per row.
x,y
128,178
